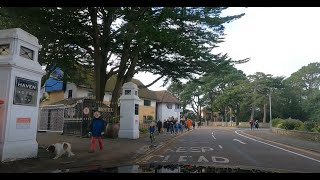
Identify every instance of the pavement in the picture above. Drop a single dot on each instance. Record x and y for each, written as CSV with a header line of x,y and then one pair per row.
x,y
116,152
121,152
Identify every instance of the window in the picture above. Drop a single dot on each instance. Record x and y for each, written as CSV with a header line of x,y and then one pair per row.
x,y
178,106
4,49
169,105
70,94
144,118
136,109
26,53
147,103
127,92
136,93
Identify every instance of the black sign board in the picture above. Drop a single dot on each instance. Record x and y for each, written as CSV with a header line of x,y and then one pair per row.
x,y
25,92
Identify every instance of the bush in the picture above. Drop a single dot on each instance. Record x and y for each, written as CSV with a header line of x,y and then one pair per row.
x,y
292,124
310,126
277,122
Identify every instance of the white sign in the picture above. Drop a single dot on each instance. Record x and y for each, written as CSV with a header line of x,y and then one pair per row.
x,y
23,123
86,111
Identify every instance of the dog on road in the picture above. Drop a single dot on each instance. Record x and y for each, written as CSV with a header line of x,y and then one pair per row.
x,y
60,149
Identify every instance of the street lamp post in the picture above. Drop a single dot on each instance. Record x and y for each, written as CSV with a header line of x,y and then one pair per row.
x,y
270,109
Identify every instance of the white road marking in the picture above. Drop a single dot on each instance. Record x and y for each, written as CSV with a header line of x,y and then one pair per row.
x,y
149,157
166,158
195,149
204,149
278,147
220,146
169,150
239,141
182,149
182,159
224,160
213,135
202,158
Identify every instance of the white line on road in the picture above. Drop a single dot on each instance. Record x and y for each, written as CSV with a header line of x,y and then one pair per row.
x,y
213,135
220,146
239,141
278,147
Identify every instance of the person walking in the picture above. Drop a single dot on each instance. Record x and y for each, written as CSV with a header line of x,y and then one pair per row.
x,y
97,128
165,126
152,130
251,123
159,126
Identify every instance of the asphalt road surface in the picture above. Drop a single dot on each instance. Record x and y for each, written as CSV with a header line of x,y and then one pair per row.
x,y
233,148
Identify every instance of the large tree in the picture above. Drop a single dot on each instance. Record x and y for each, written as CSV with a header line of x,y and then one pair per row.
x,y
171,42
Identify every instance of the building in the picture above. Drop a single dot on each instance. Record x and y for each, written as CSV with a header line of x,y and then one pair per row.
x,y
152,103
167,106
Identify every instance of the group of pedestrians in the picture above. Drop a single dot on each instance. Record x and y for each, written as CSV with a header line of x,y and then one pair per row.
x,y
254,124
170,126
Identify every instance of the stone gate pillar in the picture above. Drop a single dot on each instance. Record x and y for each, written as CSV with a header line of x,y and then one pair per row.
x,y
20,80
129,111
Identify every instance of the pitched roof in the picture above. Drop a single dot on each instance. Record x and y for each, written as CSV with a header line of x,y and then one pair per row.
x,y
142,92
166,97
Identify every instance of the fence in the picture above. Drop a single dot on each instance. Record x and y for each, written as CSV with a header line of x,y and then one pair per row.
x,y
72,118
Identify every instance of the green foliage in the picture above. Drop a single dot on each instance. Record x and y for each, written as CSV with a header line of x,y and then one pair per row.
x,y
150,118
309,125
143,131
292,124
277,122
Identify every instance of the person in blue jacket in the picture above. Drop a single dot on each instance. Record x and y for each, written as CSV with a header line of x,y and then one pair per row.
x,y
97,128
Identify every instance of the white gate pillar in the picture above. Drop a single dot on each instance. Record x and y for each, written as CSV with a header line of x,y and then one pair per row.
x,y
20,80
129,112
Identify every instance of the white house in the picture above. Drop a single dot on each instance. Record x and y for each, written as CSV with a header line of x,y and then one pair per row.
x,y
167,106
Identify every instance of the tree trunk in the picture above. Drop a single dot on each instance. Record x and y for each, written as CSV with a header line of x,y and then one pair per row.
x,y
237,114
264,113
253,104
100,81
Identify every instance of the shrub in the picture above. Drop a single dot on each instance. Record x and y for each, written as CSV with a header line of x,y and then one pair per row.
x,y
310,125
277,122
292,124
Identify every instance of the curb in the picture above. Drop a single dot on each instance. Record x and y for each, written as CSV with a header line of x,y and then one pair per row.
x,y
284,144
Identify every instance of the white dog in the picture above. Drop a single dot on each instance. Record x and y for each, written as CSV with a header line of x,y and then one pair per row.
x,y
60,149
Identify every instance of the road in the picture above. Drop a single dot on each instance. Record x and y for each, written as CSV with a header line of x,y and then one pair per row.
x,y
233,148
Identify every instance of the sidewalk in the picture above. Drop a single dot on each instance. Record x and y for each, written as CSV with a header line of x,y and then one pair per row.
x,y
116,152
295,142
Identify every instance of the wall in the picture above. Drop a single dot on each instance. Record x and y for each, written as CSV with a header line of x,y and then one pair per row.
x,y
165,113
310,136
73,87
53,97
147,110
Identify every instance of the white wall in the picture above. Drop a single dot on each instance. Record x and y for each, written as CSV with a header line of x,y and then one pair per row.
x,y
73,87
164,113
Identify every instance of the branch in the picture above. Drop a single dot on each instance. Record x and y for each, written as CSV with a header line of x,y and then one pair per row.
x,y
140,87
111,73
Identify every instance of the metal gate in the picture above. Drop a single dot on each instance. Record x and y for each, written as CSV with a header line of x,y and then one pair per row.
x,y
72,119
51,118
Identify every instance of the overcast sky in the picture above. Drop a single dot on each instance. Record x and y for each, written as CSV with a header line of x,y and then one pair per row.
x,y
278,40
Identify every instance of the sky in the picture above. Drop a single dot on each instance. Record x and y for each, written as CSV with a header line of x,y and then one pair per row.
x,y
278,40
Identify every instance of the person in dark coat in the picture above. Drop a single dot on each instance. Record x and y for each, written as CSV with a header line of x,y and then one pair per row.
x,y
97,128
159,126
165,126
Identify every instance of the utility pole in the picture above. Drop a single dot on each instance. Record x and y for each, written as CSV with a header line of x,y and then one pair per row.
x,y
270,109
